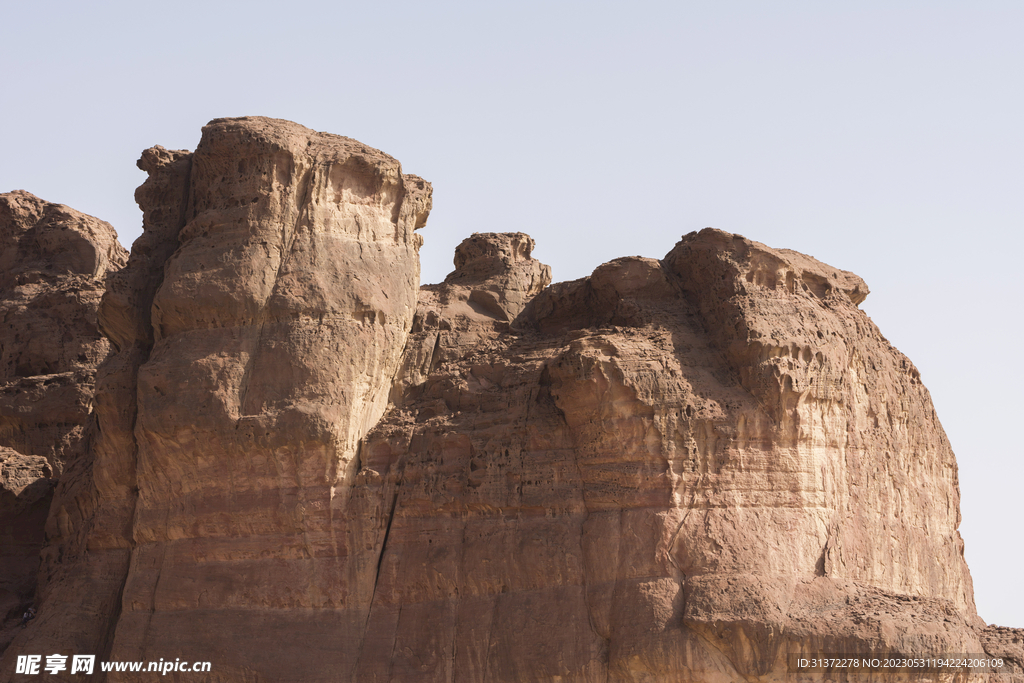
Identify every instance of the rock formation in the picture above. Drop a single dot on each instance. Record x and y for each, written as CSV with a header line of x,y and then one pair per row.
x,y
307,468
53,263
671,470
26,489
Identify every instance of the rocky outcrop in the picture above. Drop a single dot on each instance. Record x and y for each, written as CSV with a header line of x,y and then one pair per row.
x,y
494,278
671,470
306,468
273,286
26,488
1006,644
53,264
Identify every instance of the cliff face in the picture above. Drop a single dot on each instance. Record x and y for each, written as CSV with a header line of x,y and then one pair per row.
x,y
671,470
53,263
307,468
272,289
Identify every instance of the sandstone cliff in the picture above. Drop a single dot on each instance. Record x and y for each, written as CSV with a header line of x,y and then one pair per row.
x,y
307,468
272,289
53,263
671,470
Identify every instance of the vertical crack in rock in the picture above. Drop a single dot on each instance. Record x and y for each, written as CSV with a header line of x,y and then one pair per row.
x,y
682,523
90,531
384,544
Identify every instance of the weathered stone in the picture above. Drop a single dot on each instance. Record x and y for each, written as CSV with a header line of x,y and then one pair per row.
x,y
676,470
26,488
272,289
53,263
494,278
307,470
89,530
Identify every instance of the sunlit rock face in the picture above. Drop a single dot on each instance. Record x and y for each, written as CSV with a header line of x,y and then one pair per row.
x,y
671,470
272,290
288,299
307,468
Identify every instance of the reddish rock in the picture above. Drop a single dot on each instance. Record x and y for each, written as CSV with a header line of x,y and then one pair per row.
x,y
53,263
308,469
674,470
272,289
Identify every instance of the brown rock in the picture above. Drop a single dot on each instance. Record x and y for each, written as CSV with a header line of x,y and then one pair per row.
x,y
494,278
1006,644
89,529
498,273
272,289
53,263
675,470
289,297
26,488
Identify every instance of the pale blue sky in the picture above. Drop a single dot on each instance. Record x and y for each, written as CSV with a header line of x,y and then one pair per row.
x,y
881,137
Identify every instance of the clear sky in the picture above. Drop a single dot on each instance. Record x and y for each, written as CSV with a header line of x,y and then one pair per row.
x,y
884,138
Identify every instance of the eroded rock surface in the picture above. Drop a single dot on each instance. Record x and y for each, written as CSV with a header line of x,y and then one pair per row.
x,y
671,470
53,264
307,468
26,489
274,285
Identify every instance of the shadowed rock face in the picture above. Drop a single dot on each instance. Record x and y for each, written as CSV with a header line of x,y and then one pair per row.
x,y
53,263
307,468
26,489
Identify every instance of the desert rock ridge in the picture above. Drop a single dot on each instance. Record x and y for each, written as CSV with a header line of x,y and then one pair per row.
x,y
303,466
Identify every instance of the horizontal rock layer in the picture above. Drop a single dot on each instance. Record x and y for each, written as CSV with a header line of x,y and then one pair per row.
x,y
306,468
682,469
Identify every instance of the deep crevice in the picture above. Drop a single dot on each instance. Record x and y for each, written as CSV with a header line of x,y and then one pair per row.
x,y
383,546
144,303
435,353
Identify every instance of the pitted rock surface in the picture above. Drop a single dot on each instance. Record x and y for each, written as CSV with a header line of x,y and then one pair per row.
x,y
671,470
53,265
308,468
